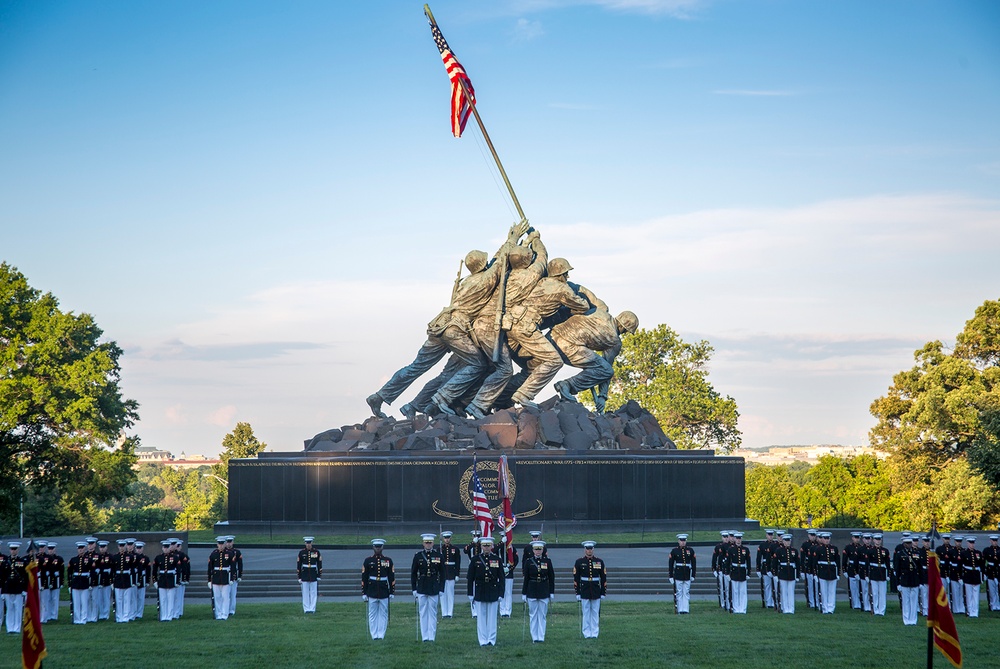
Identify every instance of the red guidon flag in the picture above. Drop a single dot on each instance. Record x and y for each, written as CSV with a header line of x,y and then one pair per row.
x,y
939,616
32,644
460,108
509,521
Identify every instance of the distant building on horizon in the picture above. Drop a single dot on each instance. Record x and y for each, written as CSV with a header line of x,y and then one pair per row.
x,y
156,456
786,455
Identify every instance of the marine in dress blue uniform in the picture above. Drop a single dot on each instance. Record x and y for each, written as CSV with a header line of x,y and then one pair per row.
x,y
485,584
426,581
590,581
538,589
378,587
681,569
309,568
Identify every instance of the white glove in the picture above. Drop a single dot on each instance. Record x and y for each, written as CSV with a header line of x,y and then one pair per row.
x,y
300,580
318,578
671,581
524,598
414,594
471,598
715,574
210,585
603,596
578,598
391,596
691,579
364,598
552,598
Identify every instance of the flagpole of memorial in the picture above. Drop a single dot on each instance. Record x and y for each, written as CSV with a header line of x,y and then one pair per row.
x,y
482,128
471,101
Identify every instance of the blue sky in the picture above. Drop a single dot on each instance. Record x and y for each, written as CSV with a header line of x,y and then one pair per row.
x,y
262,203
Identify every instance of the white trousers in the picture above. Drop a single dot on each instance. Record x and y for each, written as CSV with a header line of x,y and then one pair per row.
x,y
179,600
854,586
957,596
909,597
787,596
972,600
167,597
232,597
682,596
123,605
922,599
993,594
309,589
590,612
427,610
81,605
739,595
220,593
724,589
92,605
828,594
50,604
447,599
15,608
538,613
103,601
378,617
507,603
140,602
878,590
486,622
768,591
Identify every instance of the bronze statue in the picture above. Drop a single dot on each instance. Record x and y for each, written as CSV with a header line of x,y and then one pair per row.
x,y
500,313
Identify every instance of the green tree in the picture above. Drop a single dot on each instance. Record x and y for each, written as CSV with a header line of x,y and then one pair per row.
x,y
60,404
669,378
772,496
240,443
947,407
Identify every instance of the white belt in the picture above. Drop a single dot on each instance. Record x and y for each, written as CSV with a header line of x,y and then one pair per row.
x,y
587,578
785,564
824,562
378,578
449,563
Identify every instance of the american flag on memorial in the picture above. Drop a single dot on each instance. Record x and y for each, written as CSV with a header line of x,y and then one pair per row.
x,y
460,108
480,506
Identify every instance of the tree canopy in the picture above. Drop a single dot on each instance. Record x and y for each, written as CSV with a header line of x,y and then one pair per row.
x,y
61,409
947,407
669,378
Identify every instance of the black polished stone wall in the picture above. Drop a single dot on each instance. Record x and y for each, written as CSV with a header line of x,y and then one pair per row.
x,y
386,488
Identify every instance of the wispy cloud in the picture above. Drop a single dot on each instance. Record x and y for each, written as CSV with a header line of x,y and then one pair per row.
x,y
680,9
754,93
573,106
175,349
525,30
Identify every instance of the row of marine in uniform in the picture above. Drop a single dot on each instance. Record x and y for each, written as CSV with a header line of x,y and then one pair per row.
x,y
869,568
100,582
489,584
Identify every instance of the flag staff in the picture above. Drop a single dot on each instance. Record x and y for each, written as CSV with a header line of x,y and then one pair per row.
x,y
479,120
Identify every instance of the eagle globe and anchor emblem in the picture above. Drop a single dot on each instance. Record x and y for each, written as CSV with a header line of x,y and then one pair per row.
x,y
488,473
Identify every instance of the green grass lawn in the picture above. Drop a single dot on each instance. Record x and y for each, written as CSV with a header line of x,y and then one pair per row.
x,y
632,635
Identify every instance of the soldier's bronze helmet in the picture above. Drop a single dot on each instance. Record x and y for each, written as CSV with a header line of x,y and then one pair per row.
x,y
628,321
559,266
476,261
520,257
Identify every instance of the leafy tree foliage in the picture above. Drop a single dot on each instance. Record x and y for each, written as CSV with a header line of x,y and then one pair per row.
x,y
60,404
947,407
240,443
669,378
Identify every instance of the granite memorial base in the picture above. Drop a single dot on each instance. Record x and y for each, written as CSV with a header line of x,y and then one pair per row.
x,y
321,492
